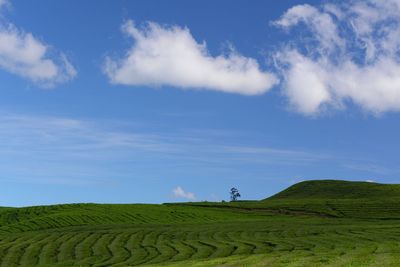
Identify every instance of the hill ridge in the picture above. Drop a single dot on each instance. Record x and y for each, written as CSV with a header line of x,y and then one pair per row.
x,y
326,189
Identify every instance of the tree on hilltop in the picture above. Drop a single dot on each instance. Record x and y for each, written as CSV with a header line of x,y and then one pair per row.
x,y
234,194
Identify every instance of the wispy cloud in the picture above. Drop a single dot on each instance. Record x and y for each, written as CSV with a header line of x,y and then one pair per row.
x,y
79,138
3,3
347,51
169,55
43,148
180,193
371,167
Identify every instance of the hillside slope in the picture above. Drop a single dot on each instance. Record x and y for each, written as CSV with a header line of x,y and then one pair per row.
x,y
67,215
327,198
336,189
315,223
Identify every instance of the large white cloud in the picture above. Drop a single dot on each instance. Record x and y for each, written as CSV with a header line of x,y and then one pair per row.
x,y
23,54
164,55
350,53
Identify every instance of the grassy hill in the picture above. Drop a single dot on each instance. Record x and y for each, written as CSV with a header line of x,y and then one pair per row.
x,y
328,198
58,216
336,189
314,223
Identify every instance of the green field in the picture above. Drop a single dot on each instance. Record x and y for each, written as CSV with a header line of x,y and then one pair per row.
x,y
315,223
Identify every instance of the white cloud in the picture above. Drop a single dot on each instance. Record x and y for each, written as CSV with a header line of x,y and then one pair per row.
x,y
38,148
3,3
352,54
321,24
180,193
171,56
81,139
23,54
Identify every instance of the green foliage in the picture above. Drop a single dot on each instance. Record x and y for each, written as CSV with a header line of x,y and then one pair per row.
x,y
234,194
56,216
336,189
300,226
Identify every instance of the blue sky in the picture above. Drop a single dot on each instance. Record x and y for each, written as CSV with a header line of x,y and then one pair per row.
x,y
149,101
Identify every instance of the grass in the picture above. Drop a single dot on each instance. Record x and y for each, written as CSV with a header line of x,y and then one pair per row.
x,y
337,189
292,228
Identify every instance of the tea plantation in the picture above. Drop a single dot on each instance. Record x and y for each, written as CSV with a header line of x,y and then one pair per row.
x,y
313,223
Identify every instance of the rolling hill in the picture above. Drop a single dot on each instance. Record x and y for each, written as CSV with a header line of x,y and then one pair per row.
x,y
328,198
312,223
336,189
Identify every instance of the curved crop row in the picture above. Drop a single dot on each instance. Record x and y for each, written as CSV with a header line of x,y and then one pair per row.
x,y
132,246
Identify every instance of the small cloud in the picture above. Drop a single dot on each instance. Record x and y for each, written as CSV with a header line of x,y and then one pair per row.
x,y
169,55
370,181
180,193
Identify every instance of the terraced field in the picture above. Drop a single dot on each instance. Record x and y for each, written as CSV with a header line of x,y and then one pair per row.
x,y
263,233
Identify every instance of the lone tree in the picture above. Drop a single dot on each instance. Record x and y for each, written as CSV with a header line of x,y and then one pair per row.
x,y
234,194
